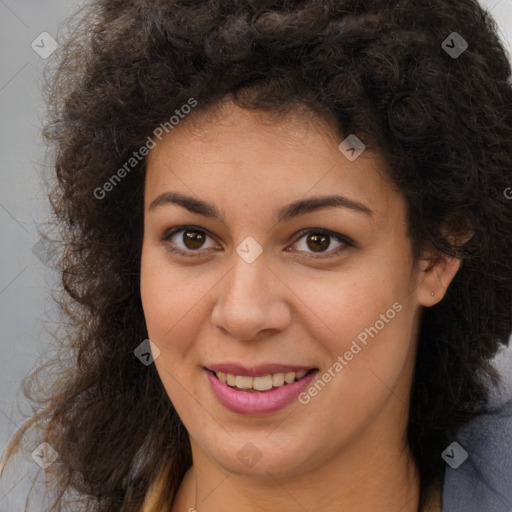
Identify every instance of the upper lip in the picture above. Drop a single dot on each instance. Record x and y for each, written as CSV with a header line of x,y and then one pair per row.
x,y
256,370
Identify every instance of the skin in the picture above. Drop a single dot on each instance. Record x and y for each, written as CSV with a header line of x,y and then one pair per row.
x,y
347,445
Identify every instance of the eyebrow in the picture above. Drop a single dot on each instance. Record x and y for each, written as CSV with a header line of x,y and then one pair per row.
x,y
299,207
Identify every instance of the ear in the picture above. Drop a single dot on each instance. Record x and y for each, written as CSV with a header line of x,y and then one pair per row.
x,y
435,275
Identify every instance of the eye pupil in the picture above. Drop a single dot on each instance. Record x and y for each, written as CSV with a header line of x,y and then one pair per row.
x,y
319,242
196,238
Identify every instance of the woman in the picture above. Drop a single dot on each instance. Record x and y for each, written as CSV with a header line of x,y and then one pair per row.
x,y
302,205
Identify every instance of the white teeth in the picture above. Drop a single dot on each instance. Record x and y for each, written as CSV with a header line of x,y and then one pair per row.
x,y
278,379
263,383
289,377
243,382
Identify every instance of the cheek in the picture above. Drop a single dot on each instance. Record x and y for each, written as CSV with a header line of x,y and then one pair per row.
x,y
165,299
366,316
175,302
341,305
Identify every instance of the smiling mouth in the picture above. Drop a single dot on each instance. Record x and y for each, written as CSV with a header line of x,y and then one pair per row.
x,y
258,384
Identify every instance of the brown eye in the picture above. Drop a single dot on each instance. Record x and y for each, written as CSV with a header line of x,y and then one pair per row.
x,y
191,241
320,240
318,243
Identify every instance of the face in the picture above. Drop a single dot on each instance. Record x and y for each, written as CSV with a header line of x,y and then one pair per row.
x,y
243,274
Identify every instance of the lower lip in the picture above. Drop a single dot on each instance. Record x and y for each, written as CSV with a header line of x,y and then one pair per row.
x,y
261,402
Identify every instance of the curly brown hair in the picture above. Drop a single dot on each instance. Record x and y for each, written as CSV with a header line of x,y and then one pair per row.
x,y
379,68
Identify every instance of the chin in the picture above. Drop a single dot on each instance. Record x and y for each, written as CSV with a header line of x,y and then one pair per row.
x,y
260,457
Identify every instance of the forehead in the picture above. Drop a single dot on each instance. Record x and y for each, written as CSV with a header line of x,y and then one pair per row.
x,y
241,156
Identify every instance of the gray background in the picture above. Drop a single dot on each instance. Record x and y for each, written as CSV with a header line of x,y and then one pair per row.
x,y
25,306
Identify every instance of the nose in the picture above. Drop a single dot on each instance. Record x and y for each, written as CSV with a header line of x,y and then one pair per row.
x,y
252,302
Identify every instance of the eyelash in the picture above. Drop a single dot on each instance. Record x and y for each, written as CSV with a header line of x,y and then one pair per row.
x,y
347,242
